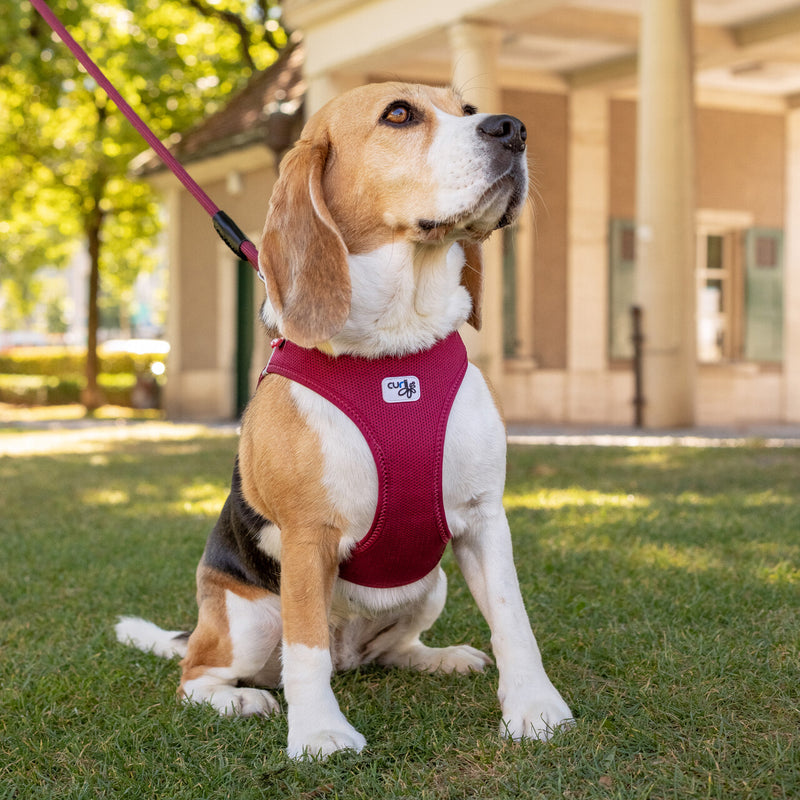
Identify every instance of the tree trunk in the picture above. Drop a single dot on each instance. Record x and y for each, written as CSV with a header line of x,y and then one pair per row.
x,y
92,396
93,222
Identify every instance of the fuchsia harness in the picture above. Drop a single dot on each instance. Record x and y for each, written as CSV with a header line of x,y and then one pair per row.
x,y
401,405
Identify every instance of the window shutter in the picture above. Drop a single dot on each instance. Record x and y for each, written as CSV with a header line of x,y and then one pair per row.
x,y
622,272
763,294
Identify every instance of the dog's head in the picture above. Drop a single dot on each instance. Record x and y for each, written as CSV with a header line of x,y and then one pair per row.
x,y
383,163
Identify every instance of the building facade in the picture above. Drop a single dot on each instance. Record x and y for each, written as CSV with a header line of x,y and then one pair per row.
x,y
664,143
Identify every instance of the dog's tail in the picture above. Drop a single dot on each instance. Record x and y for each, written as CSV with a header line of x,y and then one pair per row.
x,y
149,637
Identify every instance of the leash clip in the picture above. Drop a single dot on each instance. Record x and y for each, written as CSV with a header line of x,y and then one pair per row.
x,y
230,233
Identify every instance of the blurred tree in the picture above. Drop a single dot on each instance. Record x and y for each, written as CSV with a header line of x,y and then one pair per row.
x,y
65,148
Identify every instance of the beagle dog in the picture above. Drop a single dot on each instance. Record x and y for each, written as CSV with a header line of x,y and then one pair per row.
x,y
321,559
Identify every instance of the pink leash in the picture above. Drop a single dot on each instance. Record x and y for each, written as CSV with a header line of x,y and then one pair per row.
x,y
227,229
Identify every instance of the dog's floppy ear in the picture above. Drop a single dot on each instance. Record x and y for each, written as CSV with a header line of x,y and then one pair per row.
x,y
303,257
472,279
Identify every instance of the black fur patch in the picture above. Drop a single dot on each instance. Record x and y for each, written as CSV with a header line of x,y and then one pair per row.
x,y
232,545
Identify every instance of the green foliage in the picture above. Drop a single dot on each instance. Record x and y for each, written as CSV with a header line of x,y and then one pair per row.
x,y
40,389
65,361
64,390
65,149
54,375
662,584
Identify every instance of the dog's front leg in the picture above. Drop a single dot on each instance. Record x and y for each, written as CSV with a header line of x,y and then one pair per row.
x,y
309,566
532,707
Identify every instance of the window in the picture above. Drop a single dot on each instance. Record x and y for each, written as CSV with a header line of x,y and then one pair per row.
x,y
717,272
763,288
739,289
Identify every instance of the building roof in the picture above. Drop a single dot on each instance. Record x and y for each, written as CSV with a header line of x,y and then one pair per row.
x,y
268,111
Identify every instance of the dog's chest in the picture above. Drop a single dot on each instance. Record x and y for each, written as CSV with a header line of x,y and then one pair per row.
x,y
401,405
472,457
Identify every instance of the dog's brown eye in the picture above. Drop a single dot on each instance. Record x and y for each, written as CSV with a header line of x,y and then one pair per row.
x,y
398,114
468,110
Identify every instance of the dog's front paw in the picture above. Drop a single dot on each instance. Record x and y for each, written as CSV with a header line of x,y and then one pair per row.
x,y
535,715
322,743
313,737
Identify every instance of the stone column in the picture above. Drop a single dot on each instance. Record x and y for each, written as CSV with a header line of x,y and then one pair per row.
x,y
587,259
665,234
473,51
791,271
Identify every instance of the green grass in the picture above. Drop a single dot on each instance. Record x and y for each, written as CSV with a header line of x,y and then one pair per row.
x,y
663,585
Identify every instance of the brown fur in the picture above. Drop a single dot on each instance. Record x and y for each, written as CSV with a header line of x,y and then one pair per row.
x,y
281,468
210,645
302,255
345,171
356,173
472,280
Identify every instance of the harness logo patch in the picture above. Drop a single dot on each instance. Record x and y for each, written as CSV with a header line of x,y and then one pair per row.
x,y
400,390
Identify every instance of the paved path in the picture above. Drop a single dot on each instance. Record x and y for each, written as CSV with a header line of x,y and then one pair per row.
x,y
762,436
39,435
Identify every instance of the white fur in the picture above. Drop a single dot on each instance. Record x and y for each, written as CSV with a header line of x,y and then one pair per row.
x,y
401,645
405,297
317,727
217,688
473,482
150,638
348,463
532,707
457,160
255,631
269,540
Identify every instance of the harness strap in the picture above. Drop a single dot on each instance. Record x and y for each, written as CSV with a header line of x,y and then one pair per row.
x,y
401,405
227,229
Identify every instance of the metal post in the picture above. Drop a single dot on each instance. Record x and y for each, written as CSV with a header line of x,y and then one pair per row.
x,y
637,337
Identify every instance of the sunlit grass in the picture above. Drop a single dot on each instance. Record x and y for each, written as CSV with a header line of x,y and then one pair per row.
x,y
200,498
183,438
571,497
662,584
784,572
73,411
109,497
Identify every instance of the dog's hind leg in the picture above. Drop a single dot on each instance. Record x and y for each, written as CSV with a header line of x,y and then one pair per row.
x,y
400,645
236,644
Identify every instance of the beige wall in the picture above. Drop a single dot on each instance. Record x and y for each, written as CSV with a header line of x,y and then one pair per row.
x,y
545,116
198,244
203,281
740,162
740,158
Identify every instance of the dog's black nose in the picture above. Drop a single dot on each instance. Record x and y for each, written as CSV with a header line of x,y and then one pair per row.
x,y
506,130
